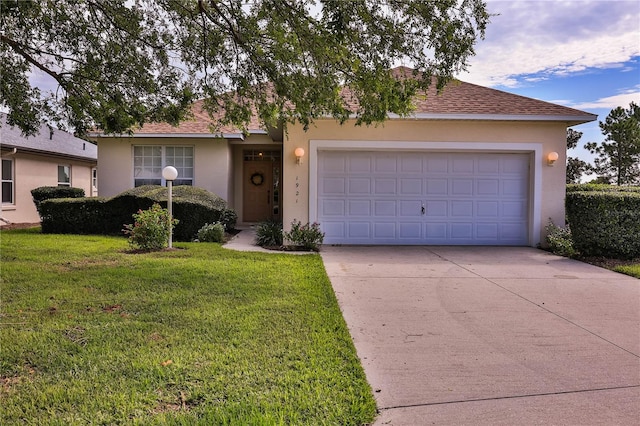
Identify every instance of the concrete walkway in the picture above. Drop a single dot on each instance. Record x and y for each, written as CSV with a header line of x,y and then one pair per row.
x,y
491,335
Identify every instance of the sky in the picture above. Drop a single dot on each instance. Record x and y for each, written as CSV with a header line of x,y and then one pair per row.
x,y
581,54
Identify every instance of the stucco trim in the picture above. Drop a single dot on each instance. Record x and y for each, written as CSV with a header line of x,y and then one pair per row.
x,y
535,225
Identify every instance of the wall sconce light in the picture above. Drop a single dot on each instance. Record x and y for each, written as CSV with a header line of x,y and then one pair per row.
x,y
299,153
552,157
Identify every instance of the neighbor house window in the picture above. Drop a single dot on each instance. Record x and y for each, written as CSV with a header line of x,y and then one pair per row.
x,y
149,160
64,175
7,181
94,181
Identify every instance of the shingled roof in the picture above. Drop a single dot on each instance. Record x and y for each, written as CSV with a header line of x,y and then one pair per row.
x,y
457,101
48,141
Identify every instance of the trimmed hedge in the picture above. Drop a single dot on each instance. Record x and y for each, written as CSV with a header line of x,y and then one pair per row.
x,y
591,187
605,223
193,207
44,193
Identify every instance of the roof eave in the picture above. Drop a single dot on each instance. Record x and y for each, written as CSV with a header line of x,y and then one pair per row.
x,y
219,135
572,119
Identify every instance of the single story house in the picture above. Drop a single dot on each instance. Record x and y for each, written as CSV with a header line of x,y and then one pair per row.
x,y
50,158
471,166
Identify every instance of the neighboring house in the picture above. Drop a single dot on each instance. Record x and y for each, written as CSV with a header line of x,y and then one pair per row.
x,y
470,166
50,158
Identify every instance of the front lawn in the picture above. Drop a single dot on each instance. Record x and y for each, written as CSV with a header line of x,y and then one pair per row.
x,y
199,335
633,270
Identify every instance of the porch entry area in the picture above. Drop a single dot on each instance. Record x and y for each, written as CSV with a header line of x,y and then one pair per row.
x,y
261,187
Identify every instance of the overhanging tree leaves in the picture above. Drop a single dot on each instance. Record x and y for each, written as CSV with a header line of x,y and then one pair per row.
x,y
117,64
619,155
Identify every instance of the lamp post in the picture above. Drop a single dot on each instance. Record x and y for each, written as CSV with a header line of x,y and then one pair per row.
x,y
169,174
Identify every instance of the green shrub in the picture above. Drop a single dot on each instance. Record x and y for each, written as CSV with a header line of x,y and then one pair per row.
x,y
211,233
151,228
75,216
559,240
269,234
43,193
605,223
602,187
307,236
193,206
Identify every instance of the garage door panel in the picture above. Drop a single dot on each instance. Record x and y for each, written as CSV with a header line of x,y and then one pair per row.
x,y
461,208
384,186
360,164
488,166
468,198
386,164
360,186
410,208
462,231
359,229
488,187
333,230
487,209
410,230
437,208
385,230
437,186
411,186
462,187
385,208
335,185
436,231
411,164
514,209
334,208
360,208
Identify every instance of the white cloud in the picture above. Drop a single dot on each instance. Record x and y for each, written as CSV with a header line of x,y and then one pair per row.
x,y
610,102
538,39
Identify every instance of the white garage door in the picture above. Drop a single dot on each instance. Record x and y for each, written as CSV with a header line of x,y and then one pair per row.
x,y
423,198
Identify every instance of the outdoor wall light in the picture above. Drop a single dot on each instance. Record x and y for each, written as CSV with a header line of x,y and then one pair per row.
x,y
299,153
170,174
552,157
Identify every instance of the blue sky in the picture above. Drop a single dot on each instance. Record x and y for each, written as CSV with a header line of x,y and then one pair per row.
x,y
582,54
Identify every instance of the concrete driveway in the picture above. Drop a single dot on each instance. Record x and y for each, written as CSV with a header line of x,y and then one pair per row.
x,y
491,335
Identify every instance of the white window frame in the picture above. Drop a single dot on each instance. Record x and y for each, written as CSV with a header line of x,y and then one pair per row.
x,y
164,162
11,181
62,183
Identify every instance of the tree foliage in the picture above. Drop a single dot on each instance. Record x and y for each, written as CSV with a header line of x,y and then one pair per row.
x,y
619,155
575,166
116,64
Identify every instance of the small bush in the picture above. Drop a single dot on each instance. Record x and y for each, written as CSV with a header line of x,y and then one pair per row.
x,y
559,240
43,193
269,234
150,231
306,236
211,233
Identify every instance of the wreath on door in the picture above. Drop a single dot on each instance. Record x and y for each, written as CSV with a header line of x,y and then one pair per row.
x,y
257,179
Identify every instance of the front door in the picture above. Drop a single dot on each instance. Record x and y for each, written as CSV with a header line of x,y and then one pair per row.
x,y
261,185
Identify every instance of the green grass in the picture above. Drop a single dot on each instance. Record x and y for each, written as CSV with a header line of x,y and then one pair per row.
x,y
199,335
633,270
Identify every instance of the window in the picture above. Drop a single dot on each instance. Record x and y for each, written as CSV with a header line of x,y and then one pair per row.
x,y
64,175
149,160
7,181
94,181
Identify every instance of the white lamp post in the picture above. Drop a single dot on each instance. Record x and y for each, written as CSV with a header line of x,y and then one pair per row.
x,y
170,174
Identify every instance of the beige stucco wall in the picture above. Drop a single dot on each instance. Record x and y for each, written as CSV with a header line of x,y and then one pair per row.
x,y
32,171
212,163
536,137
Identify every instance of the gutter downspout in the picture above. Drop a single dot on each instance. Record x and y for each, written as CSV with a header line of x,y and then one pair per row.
x,y
12,153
